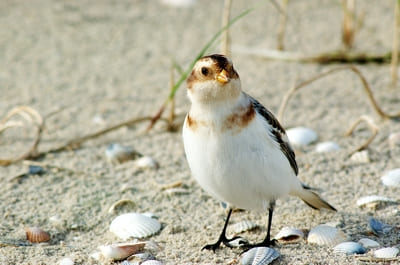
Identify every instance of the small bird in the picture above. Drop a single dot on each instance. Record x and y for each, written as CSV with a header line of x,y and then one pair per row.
x,y
236,149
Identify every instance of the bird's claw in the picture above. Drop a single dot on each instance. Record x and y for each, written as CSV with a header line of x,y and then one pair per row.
x,y
236,241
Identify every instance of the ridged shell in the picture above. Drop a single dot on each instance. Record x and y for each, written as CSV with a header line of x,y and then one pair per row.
x,y
243,226
326,235
386,253
361,157
301,136
327,147
146,162
377,227
152,262
66,261
392,178
373,201
290,235
120,251
349,248
36,235
368,243
119,153
259,256
134,225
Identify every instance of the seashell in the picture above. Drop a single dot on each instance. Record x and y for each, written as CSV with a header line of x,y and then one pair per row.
x,y
238,242
361,157
377,227
119,153
243,226
146,162
386,253
349,248
134,225
179,3
152,262
327,147
392,178
66,261
120,251
289,235
326,235
36,235
259,256
373,201
394,139
177,191
368,243
123,203
301,136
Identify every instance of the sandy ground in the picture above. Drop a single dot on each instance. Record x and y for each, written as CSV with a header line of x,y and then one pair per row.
x,y
101,62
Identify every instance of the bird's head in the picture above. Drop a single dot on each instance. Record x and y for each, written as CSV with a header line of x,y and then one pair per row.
x,y
213,79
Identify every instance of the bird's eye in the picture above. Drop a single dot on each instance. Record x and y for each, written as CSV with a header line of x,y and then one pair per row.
x,y
204,71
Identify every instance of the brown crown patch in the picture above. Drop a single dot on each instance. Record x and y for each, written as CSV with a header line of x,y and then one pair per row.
x,y
240,119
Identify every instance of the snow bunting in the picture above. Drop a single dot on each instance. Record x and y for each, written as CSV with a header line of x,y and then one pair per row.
x,y
236,149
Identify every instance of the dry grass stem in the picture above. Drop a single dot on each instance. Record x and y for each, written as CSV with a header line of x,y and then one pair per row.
x,y
282,25
395,45
225,42
373,127
352,68
172,105
348,27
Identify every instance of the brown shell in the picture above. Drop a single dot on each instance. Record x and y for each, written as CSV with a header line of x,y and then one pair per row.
x,y
36,235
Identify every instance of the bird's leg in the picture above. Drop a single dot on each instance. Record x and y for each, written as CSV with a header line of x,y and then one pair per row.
x,y
222,238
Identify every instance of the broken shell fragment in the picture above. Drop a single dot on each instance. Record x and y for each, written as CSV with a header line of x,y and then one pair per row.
x,y
374,201
325,147
243,226
349,248
119,153
289,235
259,256
386,253
238,242
361,157
392,178
134,225
120,251
152,262
36,235
394,139
123,203
368,243
377,227
146,162
301,136
326,235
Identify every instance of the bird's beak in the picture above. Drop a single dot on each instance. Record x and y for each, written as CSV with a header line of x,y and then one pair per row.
x,y
223,77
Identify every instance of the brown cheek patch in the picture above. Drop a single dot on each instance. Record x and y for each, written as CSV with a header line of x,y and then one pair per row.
x,y
240,119
191,79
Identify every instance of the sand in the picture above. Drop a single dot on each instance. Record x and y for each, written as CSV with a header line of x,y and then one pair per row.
x,y
100,63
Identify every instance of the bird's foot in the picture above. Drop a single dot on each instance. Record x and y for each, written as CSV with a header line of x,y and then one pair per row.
x,y
265,243
236,241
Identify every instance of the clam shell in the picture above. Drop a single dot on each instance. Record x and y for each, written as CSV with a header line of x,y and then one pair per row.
x,y
152,262
377,227
327,147
259,256
392,178
36,235
134,225
373,201
349,248
66,261
120,251
290,235
243,226
119,153
146,162
361,157
368,243
326,235
386,253
301,136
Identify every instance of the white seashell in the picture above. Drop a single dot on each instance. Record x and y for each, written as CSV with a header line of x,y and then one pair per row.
x,y
259,256
349,248
179,3
36,235
238,242
120,251
290,235
152,262
243,226
392,178
361,157
394,139
377,227
386,253
66,261
326,235
146,162
96,256
368,243
301,136
177,191
134,225
119,153
373,201
327,147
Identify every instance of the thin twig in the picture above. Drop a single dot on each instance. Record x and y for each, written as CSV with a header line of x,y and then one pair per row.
x,y
225,42
172,106
373,127
395,45
348,27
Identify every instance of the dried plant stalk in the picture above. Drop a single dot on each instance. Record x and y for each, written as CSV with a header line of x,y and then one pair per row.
x,y
225,42
282,25
348,27
373,127
172,106
395,45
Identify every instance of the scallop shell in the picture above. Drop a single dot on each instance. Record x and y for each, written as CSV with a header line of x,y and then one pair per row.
x,y
259,256
146,162
243,226
374,201
386,253
119,153
368,243
327,147
392,178
349,248
301,136
36,235
66,261
120,251
326,235
152,262
290,235
377,227
361,157
134,225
